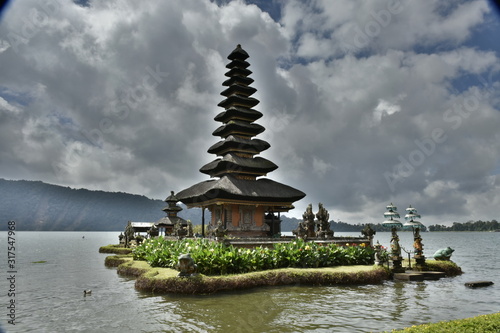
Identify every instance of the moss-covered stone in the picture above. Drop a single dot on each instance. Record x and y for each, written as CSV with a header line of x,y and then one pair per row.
x,y
448,267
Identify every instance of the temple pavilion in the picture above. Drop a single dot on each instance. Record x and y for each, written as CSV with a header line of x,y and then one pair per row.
x,y
239,196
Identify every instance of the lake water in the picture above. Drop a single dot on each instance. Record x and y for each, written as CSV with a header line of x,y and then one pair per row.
x,y
49,296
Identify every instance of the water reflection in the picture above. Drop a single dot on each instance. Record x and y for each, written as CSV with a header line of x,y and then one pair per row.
x,y
300,308
249,311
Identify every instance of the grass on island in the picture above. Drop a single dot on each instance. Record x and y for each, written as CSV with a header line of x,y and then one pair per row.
x,y
116,249
448,267
165,280
489,323
117,260
227,268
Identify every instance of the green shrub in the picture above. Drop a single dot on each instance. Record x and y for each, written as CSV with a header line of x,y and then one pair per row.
x,y
214,258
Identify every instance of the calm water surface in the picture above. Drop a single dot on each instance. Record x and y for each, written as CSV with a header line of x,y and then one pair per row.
x,y
49,296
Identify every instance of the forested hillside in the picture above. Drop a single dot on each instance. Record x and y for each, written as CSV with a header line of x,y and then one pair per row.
x,y
35,205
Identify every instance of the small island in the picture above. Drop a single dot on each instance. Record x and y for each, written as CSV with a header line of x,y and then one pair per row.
x,y
242,246
222,267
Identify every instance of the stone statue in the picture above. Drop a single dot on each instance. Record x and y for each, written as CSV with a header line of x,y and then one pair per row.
x,y
219,231
308,218
189,228
153,231
323,223
129,235
443,254
301,231
322,214
395,247
396,258
417,243
419,249
186,265
368,232
418,246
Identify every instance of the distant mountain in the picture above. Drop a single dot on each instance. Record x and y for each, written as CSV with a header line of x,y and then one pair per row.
x,y
35,205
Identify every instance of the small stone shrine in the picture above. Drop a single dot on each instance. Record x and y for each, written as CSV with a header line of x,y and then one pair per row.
x,y
323,223
240,196
172,225
306,228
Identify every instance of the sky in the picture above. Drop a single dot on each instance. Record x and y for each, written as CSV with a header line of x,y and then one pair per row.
x,y
365,103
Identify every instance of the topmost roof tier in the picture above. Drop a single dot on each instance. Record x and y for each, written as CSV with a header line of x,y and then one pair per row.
x,y
238,54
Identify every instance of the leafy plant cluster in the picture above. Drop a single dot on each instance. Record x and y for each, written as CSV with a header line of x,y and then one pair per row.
x,y
215,258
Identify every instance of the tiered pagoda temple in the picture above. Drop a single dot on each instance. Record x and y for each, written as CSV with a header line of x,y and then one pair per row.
x,y
237,198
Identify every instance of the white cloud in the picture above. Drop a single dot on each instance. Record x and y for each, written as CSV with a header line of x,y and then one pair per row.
x,y
330,29
6,106
384,108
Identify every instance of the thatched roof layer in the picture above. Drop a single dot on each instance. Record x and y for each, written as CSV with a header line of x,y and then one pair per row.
x,y
232,188
238,144
233,163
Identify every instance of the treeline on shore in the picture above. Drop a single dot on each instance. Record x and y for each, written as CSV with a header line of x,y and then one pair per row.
x,y
492,225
